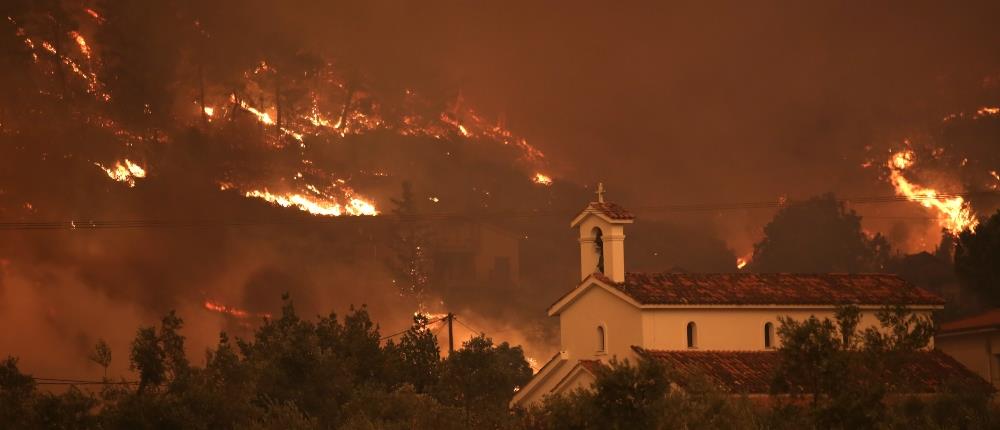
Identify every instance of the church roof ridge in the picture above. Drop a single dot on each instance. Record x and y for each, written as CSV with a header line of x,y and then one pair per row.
x,y
744,288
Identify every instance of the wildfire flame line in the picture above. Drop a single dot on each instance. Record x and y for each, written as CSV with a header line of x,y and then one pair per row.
x,y
355,206
229,310
956,214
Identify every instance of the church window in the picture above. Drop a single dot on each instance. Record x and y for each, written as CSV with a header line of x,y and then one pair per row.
x,y
692,335
600,339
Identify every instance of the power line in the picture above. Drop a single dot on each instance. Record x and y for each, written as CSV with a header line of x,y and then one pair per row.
x,y
428,324
468,327
446,216
60,381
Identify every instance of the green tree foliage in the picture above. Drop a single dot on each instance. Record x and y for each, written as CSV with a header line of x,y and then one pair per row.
x,y
16,389
832,376
416,360
101,355
292,373
482,378
977,259
409,262
819,235
401,408
626,396
22,406
332,373
147,358
158,355
139,43
847,373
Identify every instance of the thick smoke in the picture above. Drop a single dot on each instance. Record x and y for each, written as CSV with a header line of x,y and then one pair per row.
x,y
666,103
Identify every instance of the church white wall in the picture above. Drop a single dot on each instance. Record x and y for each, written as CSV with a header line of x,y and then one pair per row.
x,y
579,321
727,328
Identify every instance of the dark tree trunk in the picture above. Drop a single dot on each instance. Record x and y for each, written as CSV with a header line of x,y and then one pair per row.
x,y
342,124
57,56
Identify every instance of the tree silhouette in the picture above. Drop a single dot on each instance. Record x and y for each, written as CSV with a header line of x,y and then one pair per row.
x,y
101,355
816,236
410,261
977,259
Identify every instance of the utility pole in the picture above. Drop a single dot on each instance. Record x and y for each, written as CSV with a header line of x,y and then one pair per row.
x,y
451,335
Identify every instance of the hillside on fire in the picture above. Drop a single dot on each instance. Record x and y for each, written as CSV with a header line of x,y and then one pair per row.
x,y
336,214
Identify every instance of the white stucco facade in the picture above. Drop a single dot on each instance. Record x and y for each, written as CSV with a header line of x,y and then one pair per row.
x,y
600,302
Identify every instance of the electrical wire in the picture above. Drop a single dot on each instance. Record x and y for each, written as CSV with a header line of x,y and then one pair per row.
x,y
469,327
429,323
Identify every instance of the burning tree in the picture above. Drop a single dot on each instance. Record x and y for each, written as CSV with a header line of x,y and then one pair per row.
x,y
410,261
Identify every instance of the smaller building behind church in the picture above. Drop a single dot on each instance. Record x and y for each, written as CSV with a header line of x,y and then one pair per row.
x,y
720,325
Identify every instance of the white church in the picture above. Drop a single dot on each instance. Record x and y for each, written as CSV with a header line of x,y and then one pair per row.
x,y
719,325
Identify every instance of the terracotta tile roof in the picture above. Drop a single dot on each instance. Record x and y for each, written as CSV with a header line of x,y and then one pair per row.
x,y
733,371
988,319
771,289
611,210
752,372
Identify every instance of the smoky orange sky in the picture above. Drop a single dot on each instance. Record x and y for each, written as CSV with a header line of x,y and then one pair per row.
x,y
677,102
667,103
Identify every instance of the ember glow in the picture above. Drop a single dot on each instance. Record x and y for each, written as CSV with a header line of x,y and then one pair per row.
x,y
82,43
228,310
742,262
126,173
542,179
954,212
355,206
262,116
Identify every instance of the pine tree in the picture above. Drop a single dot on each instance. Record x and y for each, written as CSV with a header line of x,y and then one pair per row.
x,y
410,262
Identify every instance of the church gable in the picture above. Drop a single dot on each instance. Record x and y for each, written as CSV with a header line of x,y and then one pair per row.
x,y
592,282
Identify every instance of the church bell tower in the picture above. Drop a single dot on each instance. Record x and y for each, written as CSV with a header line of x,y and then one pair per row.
x,y
602,238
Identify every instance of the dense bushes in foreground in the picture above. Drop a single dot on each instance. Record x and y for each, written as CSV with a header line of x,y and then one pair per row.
x,y
293,374
296,374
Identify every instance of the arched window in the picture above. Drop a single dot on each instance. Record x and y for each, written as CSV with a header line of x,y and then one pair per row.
x,y
599,248
600,339
768,335
692,335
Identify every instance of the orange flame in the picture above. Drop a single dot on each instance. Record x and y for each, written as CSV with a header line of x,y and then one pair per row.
x,y
265,118
93,14
355,206
742,262
82,43
542,179
126,173
236,312
956,214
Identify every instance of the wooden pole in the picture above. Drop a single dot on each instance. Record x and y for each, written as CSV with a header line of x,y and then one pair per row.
x,y
451,335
